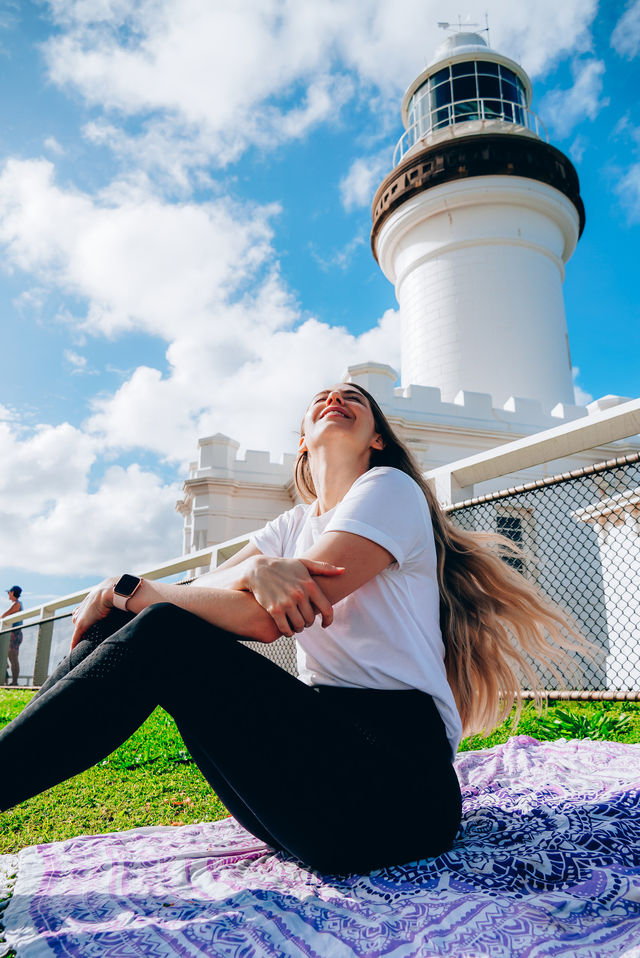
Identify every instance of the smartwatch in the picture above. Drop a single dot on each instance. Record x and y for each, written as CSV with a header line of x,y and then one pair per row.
x,y
124,589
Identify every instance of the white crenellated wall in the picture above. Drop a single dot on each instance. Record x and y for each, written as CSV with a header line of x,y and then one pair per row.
x,y
478,267
226,496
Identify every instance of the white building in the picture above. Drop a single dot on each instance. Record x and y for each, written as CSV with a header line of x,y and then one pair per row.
x,y
473,225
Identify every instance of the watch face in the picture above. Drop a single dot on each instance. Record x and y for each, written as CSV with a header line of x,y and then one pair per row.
x,y
126,584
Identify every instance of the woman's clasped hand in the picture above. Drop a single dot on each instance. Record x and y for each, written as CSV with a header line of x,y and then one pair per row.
x,y
286,588
95,606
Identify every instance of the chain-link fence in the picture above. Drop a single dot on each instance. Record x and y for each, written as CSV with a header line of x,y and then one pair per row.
x,y
282,652
581,536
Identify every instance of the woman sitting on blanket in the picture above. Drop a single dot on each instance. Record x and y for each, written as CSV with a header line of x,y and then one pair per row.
x,y
405,627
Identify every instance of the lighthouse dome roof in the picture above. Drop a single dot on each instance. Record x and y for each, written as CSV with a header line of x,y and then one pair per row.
x,y
460,43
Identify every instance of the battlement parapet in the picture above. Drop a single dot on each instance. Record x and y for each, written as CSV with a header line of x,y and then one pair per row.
x,y
218,459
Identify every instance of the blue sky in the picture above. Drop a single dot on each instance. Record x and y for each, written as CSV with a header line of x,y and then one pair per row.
x,y
185,196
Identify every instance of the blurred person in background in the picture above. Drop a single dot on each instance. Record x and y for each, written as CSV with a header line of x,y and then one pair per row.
x,y
15,638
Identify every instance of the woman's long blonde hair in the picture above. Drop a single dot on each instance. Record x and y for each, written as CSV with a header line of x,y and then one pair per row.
x,y
493,621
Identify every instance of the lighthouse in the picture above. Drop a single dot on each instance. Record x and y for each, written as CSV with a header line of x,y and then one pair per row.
x,y
473,226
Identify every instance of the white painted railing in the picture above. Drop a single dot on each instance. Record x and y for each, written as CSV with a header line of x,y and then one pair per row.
x,y
455,481
431,122
44,616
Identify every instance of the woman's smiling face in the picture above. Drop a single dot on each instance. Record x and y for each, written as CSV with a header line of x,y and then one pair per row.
x,y
340,411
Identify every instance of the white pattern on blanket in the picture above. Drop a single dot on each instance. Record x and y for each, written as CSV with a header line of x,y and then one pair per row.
x,y
547,863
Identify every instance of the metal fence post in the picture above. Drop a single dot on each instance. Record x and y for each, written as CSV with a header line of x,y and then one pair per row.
x,y
5,638
43,649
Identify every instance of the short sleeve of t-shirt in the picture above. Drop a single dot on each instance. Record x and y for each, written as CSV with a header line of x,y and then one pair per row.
x,y
387,507
272,539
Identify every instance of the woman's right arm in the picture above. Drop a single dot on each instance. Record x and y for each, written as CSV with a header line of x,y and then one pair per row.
x,y
226,575
233,610
230,604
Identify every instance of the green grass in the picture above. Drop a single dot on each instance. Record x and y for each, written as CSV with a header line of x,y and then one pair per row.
x,y
151,779
613,721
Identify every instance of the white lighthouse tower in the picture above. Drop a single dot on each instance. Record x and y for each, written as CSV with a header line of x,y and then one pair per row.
x,y
473,226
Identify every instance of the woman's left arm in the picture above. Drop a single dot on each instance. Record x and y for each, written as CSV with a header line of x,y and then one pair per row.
x,y
361,558
278,584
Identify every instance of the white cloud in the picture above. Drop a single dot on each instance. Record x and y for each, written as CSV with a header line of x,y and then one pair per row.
x,y
77,362
625,38
627,179
365,174
564,109
52,519
55,518
52,145
338,259
140,262
628,190
127,522
241,361
208,80
204,278
51,462
581,396
206,68
578,148
256,394
5,413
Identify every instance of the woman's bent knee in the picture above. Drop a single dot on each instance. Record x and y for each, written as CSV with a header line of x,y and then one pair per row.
x,y
162,616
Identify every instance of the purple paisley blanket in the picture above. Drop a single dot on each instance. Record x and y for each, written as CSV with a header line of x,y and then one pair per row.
x,y
547,863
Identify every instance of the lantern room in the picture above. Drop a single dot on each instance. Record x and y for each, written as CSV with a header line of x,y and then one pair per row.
x,y
468,88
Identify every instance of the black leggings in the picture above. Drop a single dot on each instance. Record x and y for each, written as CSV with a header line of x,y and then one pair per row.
x,y
343,779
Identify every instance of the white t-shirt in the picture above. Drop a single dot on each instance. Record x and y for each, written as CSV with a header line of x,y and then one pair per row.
x,y
386,634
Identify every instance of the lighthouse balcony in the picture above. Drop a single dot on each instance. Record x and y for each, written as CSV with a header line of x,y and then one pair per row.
x,y
466,117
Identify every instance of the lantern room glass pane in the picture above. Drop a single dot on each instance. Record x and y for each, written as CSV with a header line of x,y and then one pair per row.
x,y
509,92
492,109
467,68
488,69
440,95
467,91
441,118
467,110
488,87
464,88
